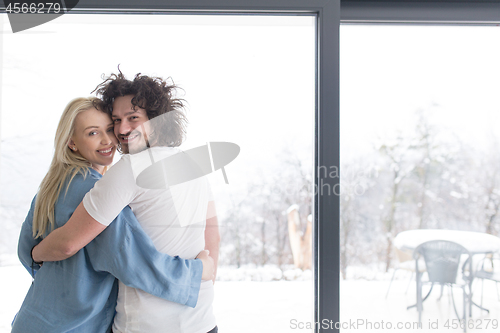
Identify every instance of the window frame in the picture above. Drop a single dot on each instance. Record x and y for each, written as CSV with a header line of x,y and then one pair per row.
x,y
454,12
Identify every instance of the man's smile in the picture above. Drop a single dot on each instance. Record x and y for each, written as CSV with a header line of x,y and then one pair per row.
x,y
128,138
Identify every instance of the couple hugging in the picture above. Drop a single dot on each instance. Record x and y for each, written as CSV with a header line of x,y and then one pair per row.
x,y
107,255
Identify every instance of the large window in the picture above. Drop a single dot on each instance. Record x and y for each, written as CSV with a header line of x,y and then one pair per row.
x,y
423,156
250,80
418,151
325,209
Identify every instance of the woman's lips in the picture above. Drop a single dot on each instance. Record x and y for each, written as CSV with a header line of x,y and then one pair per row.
x,y
106,152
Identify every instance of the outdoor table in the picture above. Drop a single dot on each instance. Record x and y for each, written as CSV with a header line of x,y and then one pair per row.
x,y
474,242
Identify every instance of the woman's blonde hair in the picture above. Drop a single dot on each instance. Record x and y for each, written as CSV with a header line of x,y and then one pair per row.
x,y
65,163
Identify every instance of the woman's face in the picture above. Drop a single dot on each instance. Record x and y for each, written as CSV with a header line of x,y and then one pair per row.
x,y
93,138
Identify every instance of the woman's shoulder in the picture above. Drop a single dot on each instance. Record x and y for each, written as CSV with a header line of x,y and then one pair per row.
x,y
88,175
83,180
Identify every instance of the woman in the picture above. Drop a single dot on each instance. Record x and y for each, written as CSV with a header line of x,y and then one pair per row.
x,y
79,294
149,123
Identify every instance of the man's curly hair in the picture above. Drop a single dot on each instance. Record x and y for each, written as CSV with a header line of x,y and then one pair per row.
x,y
153,94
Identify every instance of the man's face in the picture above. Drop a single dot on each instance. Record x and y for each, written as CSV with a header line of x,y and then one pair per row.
x,y
130,125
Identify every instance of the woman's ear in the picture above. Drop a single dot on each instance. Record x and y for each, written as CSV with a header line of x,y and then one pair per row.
x,y
71,145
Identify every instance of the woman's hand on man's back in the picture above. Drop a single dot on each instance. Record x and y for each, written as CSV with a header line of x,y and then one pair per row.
x,y
208,265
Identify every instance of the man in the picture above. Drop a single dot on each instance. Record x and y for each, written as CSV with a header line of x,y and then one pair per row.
x,y
149,123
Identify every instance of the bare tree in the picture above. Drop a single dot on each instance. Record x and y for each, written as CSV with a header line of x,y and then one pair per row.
x,y
396,152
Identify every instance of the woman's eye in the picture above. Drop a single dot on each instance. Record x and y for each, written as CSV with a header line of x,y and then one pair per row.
x,y
133,117
111,129
116,121
92,133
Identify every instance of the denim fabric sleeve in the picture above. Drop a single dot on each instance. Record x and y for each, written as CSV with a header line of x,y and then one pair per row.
x,y
27,242
126,251
68,200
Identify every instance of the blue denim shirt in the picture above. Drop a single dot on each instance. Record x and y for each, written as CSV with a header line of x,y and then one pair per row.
x,y
79,294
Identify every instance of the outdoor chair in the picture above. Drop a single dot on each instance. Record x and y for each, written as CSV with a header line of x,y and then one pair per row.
x,y
405,262
488,268
442,260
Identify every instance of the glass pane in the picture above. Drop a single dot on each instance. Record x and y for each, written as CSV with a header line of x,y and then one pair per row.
x,y
419,152
249,80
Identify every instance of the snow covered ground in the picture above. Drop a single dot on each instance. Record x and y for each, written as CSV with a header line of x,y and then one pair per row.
x,y
287,306
240,306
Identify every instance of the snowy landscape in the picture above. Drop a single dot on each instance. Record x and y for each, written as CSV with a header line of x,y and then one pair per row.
x,y
287,305
254,290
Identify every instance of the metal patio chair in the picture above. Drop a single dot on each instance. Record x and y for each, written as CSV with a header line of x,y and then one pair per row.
x,y
488,268
442,260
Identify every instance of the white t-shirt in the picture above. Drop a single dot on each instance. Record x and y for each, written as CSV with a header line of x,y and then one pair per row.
x,y
175,218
